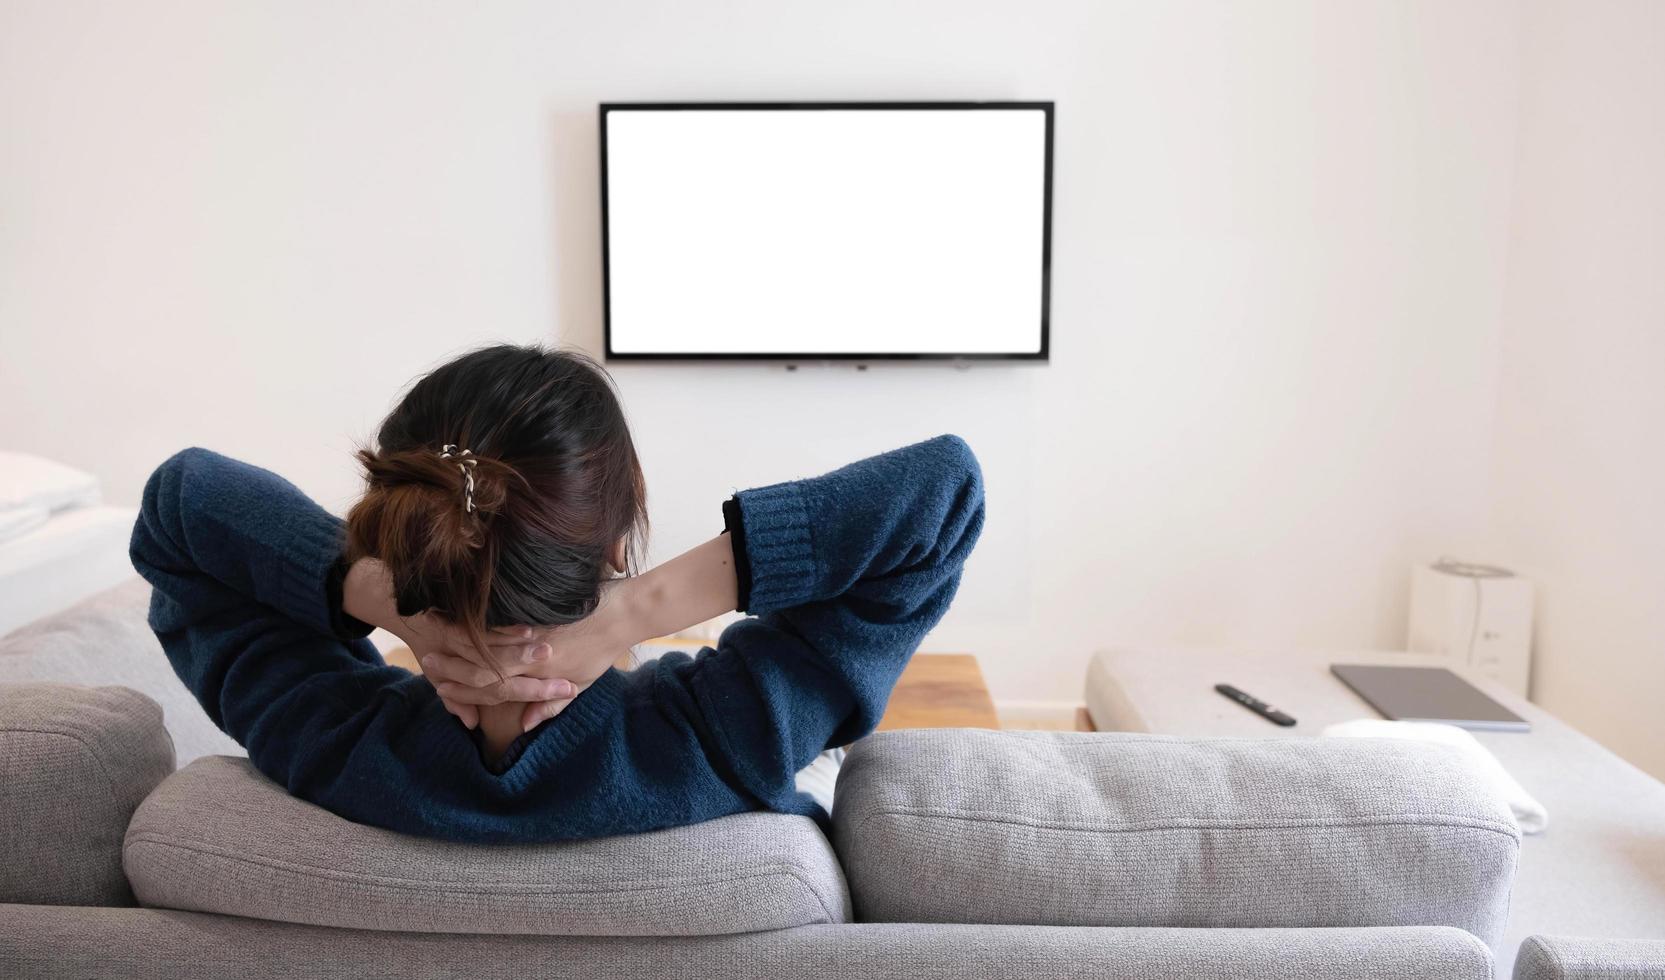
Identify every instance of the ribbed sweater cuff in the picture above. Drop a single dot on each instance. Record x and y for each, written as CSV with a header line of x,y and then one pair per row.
x,y
311,551
780,548
735,527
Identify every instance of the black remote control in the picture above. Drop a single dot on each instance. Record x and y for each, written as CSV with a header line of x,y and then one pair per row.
x,y
1256,705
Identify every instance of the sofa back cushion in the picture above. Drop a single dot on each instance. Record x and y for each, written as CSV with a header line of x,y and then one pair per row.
x,y
74,763
106,639
1137,830
217,836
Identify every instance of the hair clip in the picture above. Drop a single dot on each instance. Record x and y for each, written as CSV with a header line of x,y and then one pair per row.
x,y
465,463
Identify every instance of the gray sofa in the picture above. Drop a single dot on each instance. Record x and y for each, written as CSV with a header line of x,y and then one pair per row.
x,y
954,853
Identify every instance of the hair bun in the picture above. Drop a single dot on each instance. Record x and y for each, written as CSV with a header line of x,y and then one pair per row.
x,y
414,517
462,480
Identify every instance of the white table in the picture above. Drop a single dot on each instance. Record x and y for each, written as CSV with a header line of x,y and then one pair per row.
x,y
1599,869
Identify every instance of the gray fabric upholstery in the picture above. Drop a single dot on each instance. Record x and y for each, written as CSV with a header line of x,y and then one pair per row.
x,y
74,762
1069,828
217,836
1598,871
146,944
105,639
1574,958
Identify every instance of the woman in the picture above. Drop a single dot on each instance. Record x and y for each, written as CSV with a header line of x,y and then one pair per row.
x,y
503,504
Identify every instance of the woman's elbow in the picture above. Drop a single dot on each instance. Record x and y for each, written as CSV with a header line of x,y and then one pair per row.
x,y
162,489
960,470
959,479
158,525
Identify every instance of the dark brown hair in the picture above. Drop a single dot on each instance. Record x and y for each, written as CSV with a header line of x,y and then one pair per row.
x,y
556,486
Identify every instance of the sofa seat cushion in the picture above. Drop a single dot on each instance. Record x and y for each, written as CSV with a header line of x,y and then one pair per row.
x,y
217,836
1055,828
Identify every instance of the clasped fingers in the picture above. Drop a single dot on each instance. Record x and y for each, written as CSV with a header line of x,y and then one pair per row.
x,y
507,689
462,681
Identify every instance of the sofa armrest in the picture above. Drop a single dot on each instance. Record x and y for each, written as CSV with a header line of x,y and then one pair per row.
x,y
1576,958
74,763
1086,829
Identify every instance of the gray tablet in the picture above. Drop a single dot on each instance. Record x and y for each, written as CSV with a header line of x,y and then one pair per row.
x,y
1428,694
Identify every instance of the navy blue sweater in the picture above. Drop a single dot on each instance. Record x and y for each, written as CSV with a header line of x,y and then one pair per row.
x,y
847,573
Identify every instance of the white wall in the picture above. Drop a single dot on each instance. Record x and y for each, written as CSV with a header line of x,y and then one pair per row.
x,y
1280,237
1580,476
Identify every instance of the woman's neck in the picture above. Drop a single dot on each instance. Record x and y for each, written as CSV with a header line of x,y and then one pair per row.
x,y
500,726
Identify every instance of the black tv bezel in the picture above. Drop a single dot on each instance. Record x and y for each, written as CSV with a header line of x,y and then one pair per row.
x,y
1042,355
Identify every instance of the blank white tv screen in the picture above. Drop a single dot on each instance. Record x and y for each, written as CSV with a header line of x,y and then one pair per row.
x,y
854,232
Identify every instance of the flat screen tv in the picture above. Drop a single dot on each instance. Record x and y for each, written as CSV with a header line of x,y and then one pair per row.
x,y
826,230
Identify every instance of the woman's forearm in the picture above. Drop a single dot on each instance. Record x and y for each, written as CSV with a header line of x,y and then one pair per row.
x,y
685,591
367,594
689,589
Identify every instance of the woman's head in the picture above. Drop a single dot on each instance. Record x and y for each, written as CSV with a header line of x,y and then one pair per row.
x,y
558,497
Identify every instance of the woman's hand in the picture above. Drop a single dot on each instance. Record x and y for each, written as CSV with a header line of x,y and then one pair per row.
x,y
568,658
452,664
688,589
438,645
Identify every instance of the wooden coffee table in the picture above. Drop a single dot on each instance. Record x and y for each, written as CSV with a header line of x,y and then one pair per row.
x,y
940,690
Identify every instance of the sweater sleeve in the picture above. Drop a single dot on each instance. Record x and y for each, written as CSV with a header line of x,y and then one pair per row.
x,y
241,563
849,571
